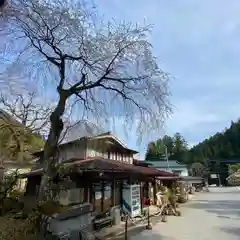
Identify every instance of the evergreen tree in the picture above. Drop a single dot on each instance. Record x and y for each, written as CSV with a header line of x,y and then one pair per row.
x,y
169,143
222,145
155,150
176,148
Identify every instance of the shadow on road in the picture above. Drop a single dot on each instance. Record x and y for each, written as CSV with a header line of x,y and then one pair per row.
x,y
152,236
223,208
231,230
227,191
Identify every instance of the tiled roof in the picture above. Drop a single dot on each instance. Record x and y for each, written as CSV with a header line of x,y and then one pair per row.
x,y
98,163
82,130
141,163
165,164
189,178
106,165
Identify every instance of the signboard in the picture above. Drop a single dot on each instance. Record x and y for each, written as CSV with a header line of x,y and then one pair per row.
x,y
213,175
132,200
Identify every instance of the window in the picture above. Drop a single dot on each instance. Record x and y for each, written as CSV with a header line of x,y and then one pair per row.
x,y
107,201
105,154
63,197
102,196
97,188
76,195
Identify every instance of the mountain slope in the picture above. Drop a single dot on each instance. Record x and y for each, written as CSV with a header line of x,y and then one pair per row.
x,y
16,141
222,145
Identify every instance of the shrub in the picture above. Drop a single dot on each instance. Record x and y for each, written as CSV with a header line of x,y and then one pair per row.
x,y
15,229
234,179
10,205
49,208
12,228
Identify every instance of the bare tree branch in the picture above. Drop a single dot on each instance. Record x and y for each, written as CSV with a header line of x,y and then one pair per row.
x,y
25,109
108,67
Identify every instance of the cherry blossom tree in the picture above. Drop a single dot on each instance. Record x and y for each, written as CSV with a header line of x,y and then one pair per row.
x,y
107,68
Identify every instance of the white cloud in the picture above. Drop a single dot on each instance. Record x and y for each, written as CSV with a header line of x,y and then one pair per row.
x,y
198,121
198,44
188,114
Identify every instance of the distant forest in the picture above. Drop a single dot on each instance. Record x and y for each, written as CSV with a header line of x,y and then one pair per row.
x,y
222,145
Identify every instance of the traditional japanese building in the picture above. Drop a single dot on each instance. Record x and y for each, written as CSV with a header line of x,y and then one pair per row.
x,y
104,173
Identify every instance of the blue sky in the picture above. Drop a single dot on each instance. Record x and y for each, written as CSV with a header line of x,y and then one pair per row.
x,y
198,43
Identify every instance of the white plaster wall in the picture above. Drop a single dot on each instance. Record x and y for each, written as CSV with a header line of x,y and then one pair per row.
x,y
184,171
70,151
98,149
94,149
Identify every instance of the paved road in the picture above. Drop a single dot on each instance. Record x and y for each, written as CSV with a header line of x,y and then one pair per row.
x,y
209,216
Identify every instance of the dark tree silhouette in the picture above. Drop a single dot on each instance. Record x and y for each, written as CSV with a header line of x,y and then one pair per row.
x,y
2,3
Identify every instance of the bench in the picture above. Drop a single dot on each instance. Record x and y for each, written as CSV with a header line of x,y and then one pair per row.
x,y
102,220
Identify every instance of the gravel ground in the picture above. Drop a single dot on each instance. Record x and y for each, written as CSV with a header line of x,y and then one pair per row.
x,y
213,215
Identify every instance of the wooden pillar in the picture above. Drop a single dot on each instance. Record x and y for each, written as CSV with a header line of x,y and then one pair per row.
x,y
102,199
154,192
146,189
113,192
92,195
121,192
141,194
87,188
149,189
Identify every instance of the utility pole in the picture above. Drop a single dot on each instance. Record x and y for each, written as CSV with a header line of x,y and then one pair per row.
x,y
218,173
166,155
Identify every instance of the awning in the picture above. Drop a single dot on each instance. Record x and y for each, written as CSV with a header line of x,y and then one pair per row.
x,y
98,164
168,178
191,179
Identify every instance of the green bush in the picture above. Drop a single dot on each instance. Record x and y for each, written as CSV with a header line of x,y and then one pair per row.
x,y
15,229
10,205
49,208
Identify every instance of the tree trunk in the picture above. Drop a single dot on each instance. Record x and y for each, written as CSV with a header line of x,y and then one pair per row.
x,y
2,172
50,148
20,148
